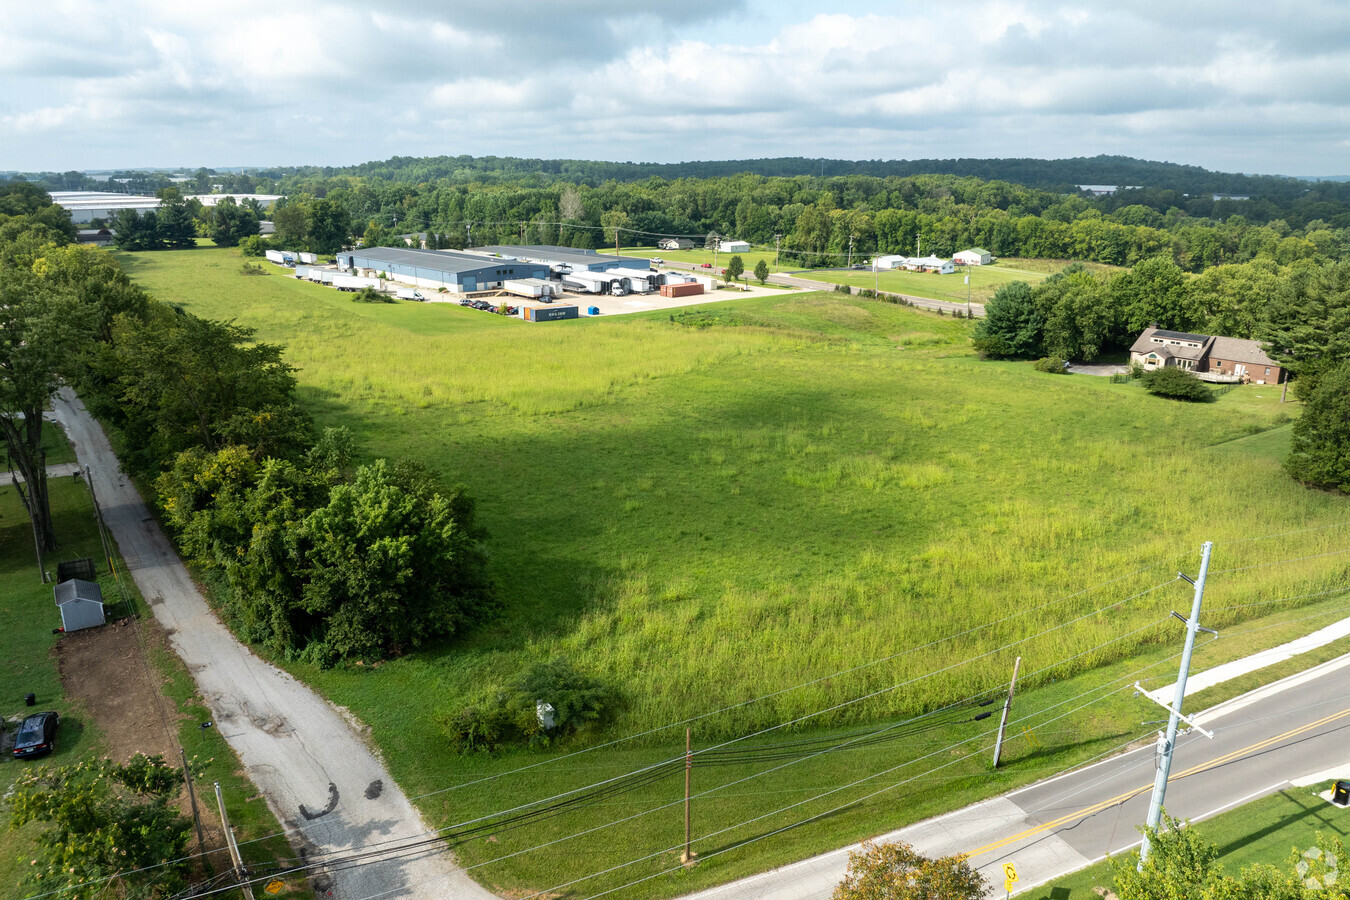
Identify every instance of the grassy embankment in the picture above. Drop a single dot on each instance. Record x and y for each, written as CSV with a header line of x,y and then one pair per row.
x,y
28,663
764,492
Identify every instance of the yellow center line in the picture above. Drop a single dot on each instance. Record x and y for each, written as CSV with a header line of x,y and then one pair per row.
x,y
1120,798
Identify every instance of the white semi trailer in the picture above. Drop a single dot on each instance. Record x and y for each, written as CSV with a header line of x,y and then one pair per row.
x,y
356,283
637,282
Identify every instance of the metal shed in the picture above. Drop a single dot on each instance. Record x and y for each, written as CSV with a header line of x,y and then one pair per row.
x,y
80,603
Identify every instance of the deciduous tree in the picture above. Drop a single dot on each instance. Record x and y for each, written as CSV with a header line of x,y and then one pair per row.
x,y
735,268
897,872
103,820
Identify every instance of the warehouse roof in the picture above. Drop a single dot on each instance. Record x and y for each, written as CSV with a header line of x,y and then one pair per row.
x,y
570,255
436,260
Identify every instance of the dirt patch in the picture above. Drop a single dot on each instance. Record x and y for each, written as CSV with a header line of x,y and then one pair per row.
x,y
106,670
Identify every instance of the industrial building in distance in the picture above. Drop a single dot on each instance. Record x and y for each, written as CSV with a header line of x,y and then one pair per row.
x,y
457,271
86,206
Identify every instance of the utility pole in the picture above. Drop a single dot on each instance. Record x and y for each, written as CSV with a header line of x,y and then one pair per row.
x,y
968,295
688,855
850,250
1007,707
98,517
233,847
192,796
776,237
1168,742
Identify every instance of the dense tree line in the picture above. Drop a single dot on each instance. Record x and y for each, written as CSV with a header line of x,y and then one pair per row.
x,y
1077,315
318,557
1057,175
1011,207
815,221
177,223
1301,313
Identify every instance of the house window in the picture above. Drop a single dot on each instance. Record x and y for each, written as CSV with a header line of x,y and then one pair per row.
x,y
1267,370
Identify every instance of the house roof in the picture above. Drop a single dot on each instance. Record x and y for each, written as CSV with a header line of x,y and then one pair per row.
x,y
570,255
978,251
1176,335
431,260
78,589
1240,350
1146,344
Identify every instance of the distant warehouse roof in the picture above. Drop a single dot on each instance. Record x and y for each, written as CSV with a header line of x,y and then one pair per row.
x,y
577,259
464,271
438,260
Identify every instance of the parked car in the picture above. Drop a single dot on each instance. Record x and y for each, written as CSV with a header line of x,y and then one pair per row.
x,y
656,260
705,265
36,735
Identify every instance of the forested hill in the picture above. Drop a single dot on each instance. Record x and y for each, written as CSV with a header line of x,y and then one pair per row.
x,y
1059,175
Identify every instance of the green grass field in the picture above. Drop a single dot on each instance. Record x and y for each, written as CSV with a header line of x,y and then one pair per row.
x,y
984,281
709,506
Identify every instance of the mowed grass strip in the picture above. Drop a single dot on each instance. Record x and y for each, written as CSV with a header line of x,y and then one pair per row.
x,y
712,505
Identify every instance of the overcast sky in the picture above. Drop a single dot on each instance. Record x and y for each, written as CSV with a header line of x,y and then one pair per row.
x,y
1250,87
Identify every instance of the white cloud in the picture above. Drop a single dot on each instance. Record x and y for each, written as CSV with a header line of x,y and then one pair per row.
x,y
344,81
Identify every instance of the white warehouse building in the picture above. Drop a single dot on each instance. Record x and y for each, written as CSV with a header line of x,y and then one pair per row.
x,y
86,206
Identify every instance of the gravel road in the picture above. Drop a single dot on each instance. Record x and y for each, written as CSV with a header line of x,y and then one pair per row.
x,y
319,777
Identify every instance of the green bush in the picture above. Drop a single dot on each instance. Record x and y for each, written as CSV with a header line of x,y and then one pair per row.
x,y
1177,384
370,295
253,245
252,269
1052,364
510,716
1136,369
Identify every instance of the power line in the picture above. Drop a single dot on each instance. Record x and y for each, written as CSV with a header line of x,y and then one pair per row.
x,y
1280,562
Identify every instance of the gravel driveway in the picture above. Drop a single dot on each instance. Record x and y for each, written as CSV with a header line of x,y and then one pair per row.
x,y
318,776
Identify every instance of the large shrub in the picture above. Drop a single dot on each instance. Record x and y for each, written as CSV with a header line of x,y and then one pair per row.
x,y
1055,365
511,715
1177,384
1013,326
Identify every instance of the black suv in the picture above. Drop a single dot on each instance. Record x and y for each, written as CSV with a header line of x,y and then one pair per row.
x,y
37,735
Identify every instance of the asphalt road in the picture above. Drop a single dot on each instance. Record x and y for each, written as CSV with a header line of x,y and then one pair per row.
x,y
1297,729
317,774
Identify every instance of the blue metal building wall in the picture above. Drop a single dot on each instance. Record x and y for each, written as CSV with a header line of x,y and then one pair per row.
x,y
480,275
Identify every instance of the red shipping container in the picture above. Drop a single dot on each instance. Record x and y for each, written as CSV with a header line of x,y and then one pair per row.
x,y
687,289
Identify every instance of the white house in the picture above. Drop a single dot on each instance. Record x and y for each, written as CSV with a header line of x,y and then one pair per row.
x,y
929,264
734,247
888,262
975,256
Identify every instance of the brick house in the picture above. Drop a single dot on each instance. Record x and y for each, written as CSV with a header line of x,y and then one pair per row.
x,y
1210,357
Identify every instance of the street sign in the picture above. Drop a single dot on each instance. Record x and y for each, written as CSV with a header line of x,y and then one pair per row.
x,y
1010,871
275,887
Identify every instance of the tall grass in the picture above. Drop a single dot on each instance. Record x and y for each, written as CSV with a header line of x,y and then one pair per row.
x,y
705,511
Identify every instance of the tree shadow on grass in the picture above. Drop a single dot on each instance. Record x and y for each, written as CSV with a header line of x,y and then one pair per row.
x,y
1312,809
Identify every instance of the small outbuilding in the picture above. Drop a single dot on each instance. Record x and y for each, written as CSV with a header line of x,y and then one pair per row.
x,y
734,247
80,603
975,256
